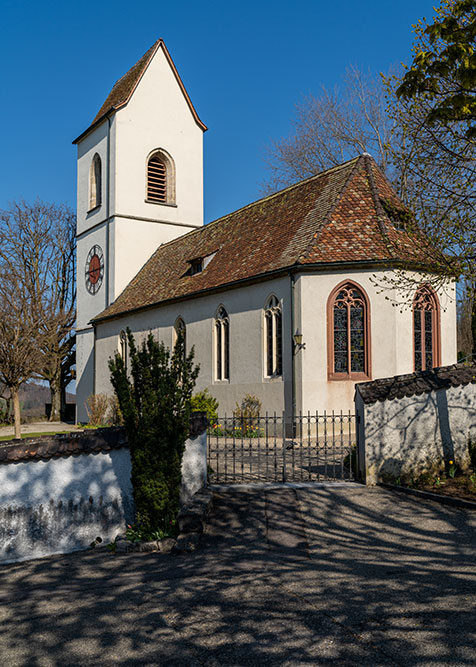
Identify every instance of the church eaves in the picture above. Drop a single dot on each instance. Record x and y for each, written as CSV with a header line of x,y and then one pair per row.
x,y
123,88
332,219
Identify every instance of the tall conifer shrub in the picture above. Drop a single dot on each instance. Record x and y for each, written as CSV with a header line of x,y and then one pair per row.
x,y
154,399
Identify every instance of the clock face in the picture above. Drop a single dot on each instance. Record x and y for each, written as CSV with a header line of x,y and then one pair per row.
x,y
94,269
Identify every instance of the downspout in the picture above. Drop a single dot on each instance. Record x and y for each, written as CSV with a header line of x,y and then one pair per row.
x,y
293,358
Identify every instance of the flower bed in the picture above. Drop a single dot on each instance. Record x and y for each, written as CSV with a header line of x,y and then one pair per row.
x,y
453,482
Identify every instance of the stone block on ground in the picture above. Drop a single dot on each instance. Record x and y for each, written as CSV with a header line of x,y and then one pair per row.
x,y
187,543
153,545
190,520
166,544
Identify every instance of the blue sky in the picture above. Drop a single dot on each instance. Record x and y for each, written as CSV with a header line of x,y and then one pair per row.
x,y
245,65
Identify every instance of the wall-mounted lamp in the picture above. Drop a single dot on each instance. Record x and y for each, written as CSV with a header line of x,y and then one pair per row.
x,y
297,339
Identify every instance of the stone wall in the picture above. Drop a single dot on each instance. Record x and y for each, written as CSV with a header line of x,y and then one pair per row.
x,y
58,494
415,423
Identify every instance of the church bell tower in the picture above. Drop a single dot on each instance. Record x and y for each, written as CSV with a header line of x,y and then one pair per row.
x,y
140,184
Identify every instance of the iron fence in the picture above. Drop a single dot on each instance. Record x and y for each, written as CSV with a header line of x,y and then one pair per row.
x,y
276,448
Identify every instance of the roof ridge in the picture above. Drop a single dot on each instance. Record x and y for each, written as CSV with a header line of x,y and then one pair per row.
x,y
259,201
111,105
311,243
152,49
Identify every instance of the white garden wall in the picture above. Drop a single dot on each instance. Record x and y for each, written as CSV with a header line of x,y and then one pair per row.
x,y
58,494
410,424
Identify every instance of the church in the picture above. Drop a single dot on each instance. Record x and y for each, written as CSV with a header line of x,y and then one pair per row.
x,y
288,298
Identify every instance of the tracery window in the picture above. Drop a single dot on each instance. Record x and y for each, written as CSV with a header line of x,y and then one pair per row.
x,y
180,329
348,333
160,178
222,342
273,319
95,182
426,334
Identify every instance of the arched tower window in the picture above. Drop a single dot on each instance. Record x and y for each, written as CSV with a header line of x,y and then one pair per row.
x,y
273,319
348,333
180,329
426,329
123,347
160,178
95,182
222,343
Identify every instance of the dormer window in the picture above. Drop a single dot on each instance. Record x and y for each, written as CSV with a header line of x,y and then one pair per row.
x,y
196,266
160,178
199,264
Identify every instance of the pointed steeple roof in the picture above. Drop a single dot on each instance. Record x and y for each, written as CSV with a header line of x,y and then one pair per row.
x,y
345,216
124,88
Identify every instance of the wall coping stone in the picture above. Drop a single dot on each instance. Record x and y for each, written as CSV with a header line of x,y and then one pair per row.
x,y
91,441
46,447
420,382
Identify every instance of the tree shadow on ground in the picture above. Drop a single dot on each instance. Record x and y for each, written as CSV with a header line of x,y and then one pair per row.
x,y
341,575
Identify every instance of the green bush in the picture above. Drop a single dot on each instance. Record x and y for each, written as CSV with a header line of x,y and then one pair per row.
x,y
247,412
472,453
155,405
203,401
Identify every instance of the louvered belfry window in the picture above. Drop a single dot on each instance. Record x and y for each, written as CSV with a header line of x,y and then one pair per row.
x,y
156,180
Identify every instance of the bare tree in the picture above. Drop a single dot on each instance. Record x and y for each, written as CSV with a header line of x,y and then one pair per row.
x,y
37,244
432,167
333,127
19,349
5,397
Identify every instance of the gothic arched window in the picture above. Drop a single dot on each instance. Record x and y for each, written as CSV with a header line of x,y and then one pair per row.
x,y
222,343
273,321
180,329
123,347
160,178
348,333
426,329
95,182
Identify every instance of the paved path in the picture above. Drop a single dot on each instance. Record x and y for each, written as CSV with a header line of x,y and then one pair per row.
x,y
41,427
314,576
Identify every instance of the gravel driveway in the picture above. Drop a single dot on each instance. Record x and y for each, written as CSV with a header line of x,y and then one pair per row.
x,y
338,575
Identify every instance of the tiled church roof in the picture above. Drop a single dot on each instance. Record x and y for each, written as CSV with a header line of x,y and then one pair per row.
x,y
335,217
125,86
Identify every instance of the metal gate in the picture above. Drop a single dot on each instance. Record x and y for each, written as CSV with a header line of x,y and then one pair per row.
x,y
312,447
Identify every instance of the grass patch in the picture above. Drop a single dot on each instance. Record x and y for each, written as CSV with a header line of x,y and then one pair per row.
x,y
5,438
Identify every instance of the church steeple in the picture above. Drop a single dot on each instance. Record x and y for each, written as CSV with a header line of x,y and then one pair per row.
x,y
140,180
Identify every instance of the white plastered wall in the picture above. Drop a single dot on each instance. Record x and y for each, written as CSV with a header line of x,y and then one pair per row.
x,y
245,308
158,116
391,340
391,335
127,228
92,229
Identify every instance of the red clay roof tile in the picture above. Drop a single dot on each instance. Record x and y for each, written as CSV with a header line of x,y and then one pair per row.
x,y
336,216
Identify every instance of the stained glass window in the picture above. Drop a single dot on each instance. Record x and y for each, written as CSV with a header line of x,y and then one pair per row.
x,y
425,329
349,332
